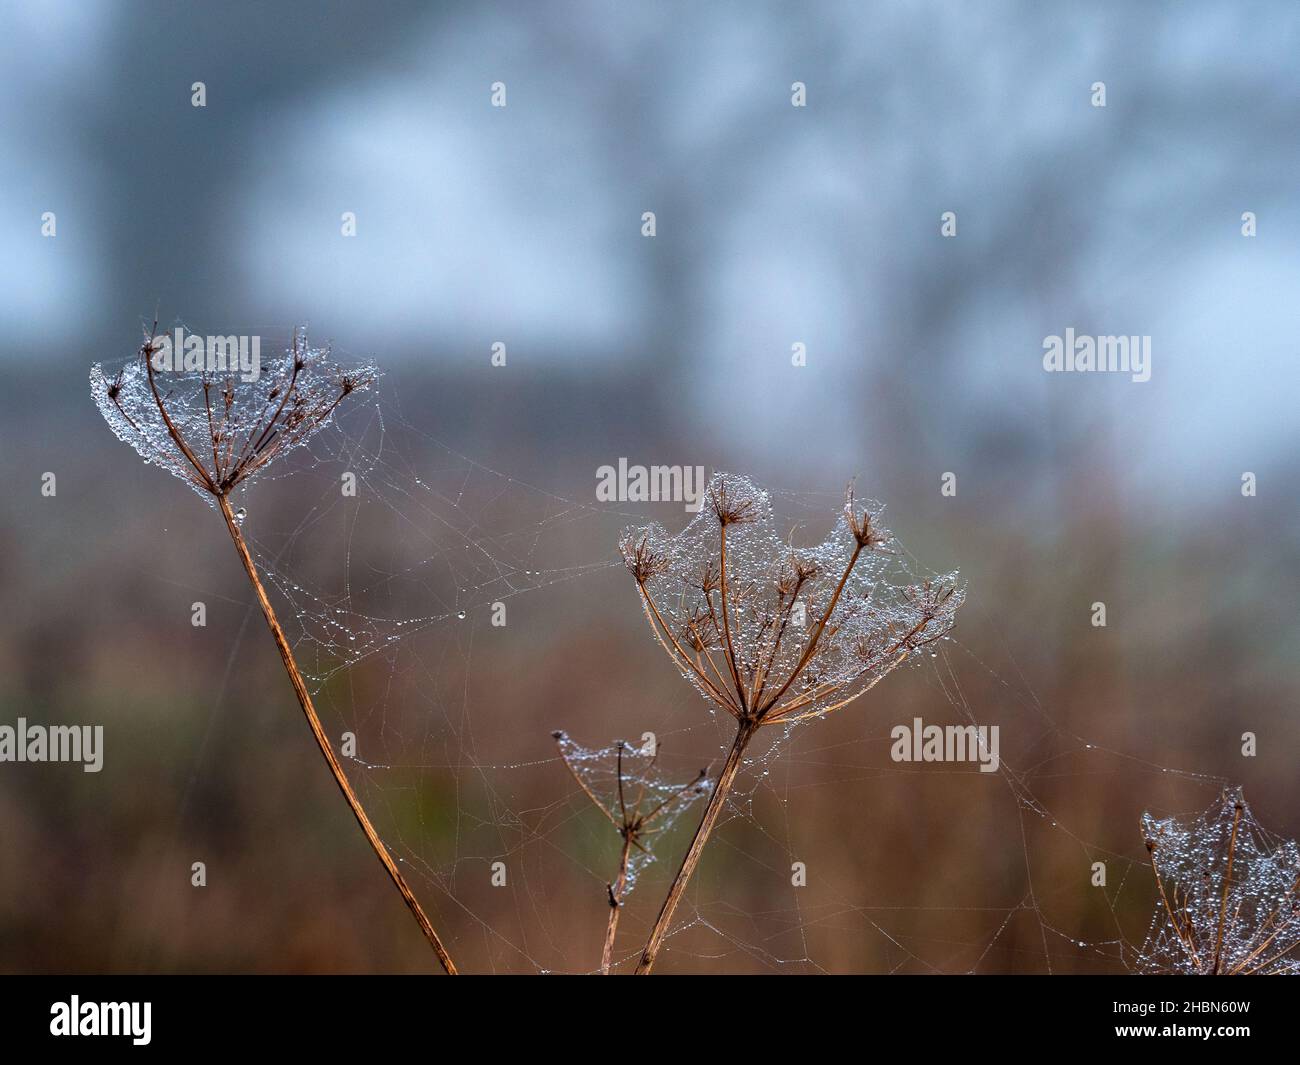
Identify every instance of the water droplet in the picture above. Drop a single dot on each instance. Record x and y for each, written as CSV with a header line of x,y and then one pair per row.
x,y
240,515
461,614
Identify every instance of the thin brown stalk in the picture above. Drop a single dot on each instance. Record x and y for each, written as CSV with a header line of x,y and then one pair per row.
x,y
1227,883
633,826
717,800
785,720
201,475
765,666
1263,966
616,890
1186,939
309,710
657,622
811,649
1241,966
742,624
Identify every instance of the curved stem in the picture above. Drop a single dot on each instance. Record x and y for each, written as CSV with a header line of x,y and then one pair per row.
x,y
1188,943
716,801
304,700
656,623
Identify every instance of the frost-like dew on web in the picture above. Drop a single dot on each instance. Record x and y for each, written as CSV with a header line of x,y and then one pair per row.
x,y
1228,894
217,418
765,629
626,783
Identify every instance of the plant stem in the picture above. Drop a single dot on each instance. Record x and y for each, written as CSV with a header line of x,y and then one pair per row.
x,y
615,906
304,700
716,801
1227,885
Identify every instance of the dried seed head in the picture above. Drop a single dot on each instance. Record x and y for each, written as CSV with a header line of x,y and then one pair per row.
x,y
710,579
794,573
734,501
640,558
216,429
1226,895
767,632
700,632
626,783
933,604
862,525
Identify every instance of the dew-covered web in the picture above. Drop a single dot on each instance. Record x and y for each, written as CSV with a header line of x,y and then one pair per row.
x,y
626,783
451,617
1227,888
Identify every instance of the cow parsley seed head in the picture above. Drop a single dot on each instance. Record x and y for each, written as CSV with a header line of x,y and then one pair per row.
x,y
640,558
215,430
773,633
627,785
862,523
1227,901
735,501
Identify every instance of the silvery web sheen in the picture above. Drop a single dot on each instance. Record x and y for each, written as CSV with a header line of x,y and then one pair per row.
x,y
645,793
234,429
879,616
1198,929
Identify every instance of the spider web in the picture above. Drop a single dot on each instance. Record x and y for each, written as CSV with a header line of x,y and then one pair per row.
x,y
446,607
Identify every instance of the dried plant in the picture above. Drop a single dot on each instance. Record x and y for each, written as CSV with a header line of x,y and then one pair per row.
x,y
1228,895
624,783
216,431
772,634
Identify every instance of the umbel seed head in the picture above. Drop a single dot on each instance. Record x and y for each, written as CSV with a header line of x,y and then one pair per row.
x,y
641,559
862,525
734,501
214,429
770,633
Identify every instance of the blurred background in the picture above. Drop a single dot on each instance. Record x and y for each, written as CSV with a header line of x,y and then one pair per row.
x,y
775,225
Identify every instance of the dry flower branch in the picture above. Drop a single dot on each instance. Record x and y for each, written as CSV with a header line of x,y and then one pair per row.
x,y
639,803
216,431
772,634
1229,895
